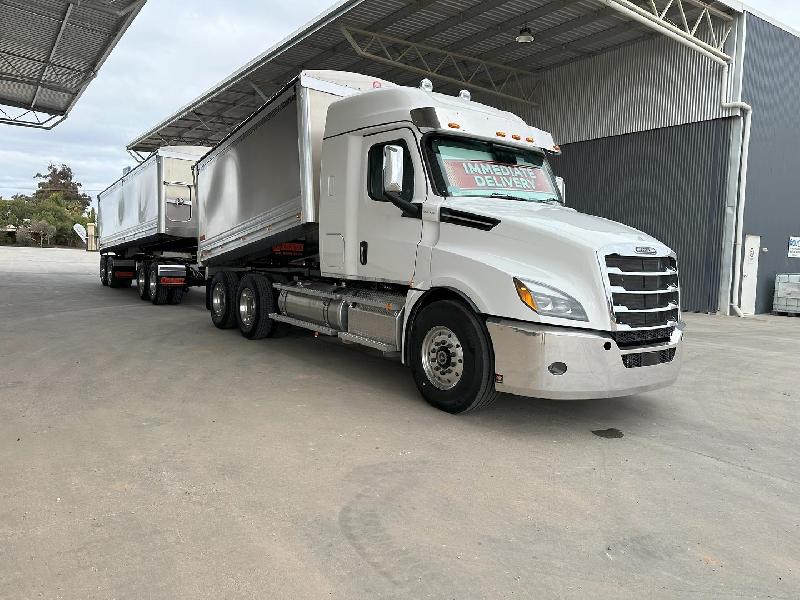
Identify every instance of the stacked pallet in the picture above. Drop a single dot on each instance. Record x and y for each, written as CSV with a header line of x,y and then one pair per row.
x,y
787,294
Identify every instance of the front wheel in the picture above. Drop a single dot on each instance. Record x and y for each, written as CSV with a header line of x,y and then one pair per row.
x,y
452,358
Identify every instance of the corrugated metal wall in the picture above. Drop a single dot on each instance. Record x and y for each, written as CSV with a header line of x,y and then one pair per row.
x,y
669,183
652,84
772,86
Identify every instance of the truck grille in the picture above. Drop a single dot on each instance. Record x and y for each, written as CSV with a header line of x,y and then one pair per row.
x,y
646,359
645,297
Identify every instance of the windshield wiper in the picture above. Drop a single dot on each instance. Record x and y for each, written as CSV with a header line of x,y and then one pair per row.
x,y
508,197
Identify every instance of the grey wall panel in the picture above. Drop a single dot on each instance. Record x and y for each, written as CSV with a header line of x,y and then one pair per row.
x,y
772,86
652,84
669,183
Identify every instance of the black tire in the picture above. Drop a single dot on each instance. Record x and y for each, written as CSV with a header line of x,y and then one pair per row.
x,y
104,270
175,295
143,280
113,281
474,387
208,294
224,316
161,294
263,303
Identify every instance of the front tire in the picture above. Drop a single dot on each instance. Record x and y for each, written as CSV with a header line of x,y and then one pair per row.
x,y
452,359
255,301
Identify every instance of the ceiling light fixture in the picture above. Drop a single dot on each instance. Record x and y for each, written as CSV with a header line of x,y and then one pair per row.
x,y
525,35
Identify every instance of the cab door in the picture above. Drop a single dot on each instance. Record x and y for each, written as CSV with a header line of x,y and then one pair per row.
x,y
387,240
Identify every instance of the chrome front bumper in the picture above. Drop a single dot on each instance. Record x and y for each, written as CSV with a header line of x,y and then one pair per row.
x,y
525,352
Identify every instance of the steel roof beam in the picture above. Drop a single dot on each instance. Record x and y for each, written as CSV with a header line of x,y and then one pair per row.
x,y
52,54
500,80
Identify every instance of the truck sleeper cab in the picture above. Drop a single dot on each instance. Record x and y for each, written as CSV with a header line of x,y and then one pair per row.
x,y
431,228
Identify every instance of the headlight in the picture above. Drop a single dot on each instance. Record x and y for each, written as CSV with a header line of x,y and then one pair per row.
x,y
548,301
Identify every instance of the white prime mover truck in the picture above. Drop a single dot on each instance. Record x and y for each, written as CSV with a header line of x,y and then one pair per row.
x,y
431,228
148,227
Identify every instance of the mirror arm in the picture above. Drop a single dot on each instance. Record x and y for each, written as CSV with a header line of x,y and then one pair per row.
x,y
409,208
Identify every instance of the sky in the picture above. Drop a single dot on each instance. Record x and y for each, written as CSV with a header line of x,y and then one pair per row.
x,y
173,52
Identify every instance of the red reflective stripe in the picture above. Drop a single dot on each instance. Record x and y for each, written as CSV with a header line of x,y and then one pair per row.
x,y
123,274
172,280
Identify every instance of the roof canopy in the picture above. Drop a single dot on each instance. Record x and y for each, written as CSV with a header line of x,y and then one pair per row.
x,y
458,43
50,50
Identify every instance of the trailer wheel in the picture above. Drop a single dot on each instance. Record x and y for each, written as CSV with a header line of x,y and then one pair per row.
x,y
223,305
175,295
255,301
452,358
112,279
159,294
143,280
104,270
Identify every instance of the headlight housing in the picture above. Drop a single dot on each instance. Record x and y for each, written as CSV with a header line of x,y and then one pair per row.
x,y
548,301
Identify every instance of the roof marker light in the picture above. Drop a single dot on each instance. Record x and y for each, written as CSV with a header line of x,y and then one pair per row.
x,y
516,136
529,139
500,133
465,95
426,85
557,148
454,126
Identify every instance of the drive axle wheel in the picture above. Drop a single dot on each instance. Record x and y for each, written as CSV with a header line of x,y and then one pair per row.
x,y
223,305
255,302
452,358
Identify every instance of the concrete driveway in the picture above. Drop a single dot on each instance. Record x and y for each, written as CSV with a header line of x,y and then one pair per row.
x,y
146,454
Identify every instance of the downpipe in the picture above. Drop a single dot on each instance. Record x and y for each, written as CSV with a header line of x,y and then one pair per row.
x,y
741,200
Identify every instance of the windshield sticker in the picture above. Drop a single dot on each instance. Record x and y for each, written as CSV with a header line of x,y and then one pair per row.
x,y
490,175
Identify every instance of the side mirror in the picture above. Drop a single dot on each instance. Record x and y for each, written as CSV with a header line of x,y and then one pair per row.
x,y
393,159
393,167
561,188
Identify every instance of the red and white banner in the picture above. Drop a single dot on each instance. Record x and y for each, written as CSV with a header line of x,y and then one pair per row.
x,y
489,175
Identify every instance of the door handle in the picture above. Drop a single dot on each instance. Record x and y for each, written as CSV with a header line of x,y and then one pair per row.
x,y
362,253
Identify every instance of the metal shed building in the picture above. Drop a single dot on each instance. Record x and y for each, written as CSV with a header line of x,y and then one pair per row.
x,y
648,100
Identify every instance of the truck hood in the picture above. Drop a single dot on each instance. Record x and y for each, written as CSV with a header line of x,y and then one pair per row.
x,y
549,244
524,218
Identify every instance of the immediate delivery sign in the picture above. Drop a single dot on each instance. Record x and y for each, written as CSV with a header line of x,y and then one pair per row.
x,y
483,174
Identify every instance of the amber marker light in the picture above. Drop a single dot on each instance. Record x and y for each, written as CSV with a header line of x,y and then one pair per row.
x,y
516,137
529,139
454,126
525,294
501,133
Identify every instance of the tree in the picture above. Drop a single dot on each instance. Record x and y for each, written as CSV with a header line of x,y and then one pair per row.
x,y
60,180
48,216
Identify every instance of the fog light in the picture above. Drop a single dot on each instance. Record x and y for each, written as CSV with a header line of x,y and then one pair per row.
x,y
557,368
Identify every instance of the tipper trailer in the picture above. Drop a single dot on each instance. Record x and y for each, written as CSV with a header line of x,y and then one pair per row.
x,y
148,227
430,228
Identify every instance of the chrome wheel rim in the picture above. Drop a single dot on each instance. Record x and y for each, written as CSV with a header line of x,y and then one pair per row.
x,y
247,307
153,283
141,280
442,358
218,299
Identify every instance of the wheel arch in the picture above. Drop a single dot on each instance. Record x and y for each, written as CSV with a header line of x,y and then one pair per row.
x,y
429,297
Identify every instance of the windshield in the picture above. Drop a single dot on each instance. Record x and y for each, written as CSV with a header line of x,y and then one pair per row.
x,y
465,167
